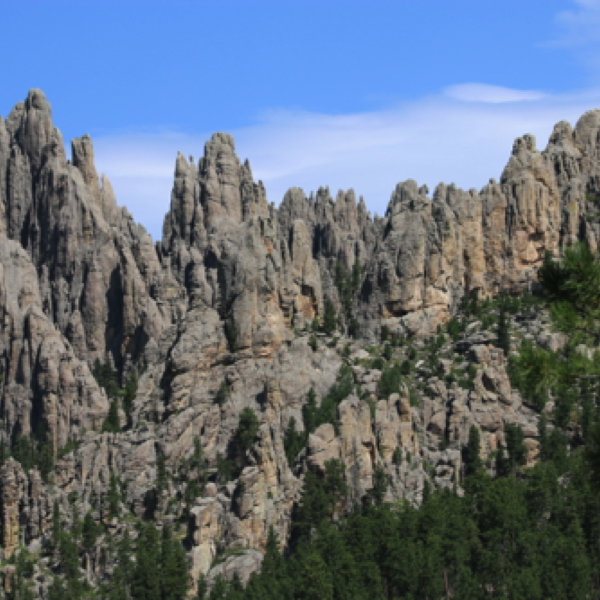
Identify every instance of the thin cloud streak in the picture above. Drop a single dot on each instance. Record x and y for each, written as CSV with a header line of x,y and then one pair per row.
x,y
578,27
438,138
479,92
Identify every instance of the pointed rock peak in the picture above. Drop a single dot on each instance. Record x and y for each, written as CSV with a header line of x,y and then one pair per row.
x,y
30,123
295,197
82,153
36,100
406,192
218,142
440,192
586,130
562,131
181,165
526,143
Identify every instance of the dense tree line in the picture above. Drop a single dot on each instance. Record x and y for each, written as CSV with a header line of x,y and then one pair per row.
x,y
510,532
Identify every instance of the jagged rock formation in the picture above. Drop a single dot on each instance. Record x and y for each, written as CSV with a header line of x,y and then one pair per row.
x,y
212,319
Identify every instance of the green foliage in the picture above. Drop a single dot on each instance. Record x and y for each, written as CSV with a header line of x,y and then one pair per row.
x,y
106,377
111,423
354,328
327,412
293,442
33,453
530,538
329,318
455,328
161,473
90,531
573,288
225,469
503,340
223,394
173,566
384,333
114,492
20,583
313,343
405,367
309,412
387,352
247,429
390,381
232,334
322,498
146,575
517,451
377,363
56,530
381,483
129,394
472,452
347,284
534,372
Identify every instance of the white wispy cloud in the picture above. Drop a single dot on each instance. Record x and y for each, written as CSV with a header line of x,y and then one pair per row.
x,y
462,136
578,27
480,92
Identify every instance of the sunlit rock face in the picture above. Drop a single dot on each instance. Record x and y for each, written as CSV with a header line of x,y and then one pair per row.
x,y
214,319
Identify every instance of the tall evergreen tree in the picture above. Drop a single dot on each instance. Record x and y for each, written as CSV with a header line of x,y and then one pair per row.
x,y
145,584
503,329
111,423
329,318
174,575
472,458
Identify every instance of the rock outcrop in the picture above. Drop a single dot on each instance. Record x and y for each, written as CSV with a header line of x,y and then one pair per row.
x,y
217,318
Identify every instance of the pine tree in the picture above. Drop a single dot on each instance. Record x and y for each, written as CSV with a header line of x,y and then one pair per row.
x,y
390,382
472,458
89,531
113,496
503,330
313,571
111,423
387,352
174,576
335,485
329,318
202,588
129,394
232,334
56,529
117,586
247,429
273,568
293,442
309,412
145,584
219,589
381,483
502,462
515,446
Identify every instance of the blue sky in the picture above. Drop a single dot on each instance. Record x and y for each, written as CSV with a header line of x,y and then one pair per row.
x,y
339,93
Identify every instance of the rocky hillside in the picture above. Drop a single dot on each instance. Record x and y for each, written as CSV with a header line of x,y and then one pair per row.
x,y
192,383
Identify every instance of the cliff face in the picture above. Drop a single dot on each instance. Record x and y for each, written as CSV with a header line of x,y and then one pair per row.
x,y
211,319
